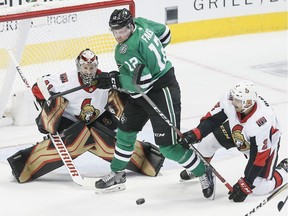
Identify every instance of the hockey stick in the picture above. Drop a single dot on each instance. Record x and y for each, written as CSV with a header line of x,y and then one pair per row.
x,y
66,158
41,84
264,202
17,67
136,80
281,204
64,153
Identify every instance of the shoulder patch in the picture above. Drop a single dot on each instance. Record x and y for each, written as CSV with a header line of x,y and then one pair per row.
x,y
261,121
63,77
123,48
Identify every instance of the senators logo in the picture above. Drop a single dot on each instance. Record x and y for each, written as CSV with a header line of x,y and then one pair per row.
x,y
239,139
88,112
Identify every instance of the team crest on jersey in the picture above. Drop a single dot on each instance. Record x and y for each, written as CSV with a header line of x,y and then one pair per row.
x,y
63,78
89,113
123,48
239,140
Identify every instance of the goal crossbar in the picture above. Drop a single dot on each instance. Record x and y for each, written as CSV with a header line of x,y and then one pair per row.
x,y
46,38
68,9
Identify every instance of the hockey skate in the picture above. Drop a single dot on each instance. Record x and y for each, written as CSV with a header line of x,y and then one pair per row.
x,y
283,165
208,183
186,175
111,182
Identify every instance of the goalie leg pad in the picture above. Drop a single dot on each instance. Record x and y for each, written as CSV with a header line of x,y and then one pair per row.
x,y
145,159
17,161
153,159
42,158
104,144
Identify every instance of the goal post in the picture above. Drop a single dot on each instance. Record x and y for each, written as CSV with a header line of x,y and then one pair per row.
x,y
46,38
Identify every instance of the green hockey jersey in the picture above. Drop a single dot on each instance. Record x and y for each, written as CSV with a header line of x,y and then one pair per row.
x,y
144,46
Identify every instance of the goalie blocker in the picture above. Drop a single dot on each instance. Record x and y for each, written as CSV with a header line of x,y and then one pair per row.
x,y
42,158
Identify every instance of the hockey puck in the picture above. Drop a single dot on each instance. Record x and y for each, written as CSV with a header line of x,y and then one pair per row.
x,y
140,201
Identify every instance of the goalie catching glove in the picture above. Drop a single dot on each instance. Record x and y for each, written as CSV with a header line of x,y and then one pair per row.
x,y
190,137
107,80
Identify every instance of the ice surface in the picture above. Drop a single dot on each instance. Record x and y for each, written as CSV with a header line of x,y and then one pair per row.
x,y
205,69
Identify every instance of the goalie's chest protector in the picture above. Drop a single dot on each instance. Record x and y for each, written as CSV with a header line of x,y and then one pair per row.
x,y
84,101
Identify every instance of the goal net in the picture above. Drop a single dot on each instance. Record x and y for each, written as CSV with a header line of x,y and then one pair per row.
x,y
45,38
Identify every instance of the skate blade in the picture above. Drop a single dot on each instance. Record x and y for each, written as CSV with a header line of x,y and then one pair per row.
x,y
184,180
212,197
114,188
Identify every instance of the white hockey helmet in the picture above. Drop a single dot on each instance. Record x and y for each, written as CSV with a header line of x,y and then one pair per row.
x,y
246,92
87,65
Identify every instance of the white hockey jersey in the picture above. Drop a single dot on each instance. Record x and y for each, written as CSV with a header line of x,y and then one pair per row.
x,y
86,104
257,134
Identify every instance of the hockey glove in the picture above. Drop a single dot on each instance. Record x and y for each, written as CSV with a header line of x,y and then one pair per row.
x,y
190,137
108,80
241,190
49,119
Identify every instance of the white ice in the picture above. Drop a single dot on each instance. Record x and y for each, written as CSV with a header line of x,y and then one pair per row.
x,y
205,69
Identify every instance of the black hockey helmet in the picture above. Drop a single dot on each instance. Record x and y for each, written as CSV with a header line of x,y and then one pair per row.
x,y
120,19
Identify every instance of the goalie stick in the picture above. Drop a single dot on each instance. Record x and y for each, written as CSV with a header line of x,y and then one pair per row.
x,y
68,162
135,80
17,67
66,158
41,84
271,196
62,150
56,138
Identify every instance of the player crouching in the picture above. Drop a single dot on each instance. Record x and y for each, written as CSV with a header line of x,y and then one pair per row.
x,y
85,119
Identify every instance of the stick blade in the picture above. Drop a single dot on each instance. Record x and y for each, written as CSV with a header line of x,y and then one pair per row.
x,y
280,205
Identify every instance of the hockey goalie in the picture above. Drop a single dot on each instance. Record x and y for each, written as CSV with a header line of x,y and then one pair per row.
x,y
86,121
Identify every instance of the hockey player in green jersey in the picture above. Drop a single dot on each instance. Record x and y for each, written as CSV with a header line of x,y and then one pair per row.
x,y
142,41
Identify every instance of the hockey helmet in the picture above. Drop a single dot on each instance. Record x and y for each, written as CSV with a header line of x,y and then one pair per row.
x,y
245,92
87,65
120,19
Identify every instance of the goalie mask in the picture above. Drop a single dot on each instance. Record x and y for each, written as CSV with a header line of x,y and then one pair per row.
x,y
87,65
244,96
